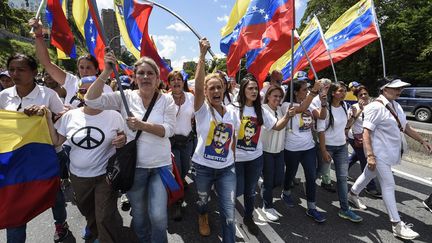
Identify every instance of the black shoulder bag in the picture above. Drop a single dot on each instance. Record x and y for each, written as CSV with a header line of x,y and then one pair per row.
x,y
121,166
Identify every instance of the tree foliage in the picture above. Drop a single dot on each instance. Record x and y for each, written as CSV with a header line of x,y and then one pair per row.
x,y
406,29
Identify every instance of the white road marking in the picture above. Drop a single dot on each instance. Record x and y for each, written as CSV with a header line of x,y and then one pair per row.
x,y
412,177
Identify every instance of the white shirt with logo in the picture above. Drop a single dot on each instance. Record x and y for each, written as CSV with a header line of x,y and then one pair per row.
x,y
249,144
90,138
299,136
215,137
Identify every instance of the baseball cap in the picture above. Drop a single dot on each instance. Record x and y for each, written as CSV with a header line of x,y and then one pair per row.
x,y
5,73
301,75
353,84
395,83
125,80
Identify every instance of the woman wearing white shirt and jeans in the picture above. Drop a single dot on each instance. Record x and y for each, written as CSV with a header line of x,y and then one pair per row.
x,y
382,139
148,195
213,159
333,146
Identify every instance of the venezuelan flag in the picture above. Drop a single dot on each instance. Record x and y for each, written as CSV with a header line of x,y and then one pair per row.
x,y
257,24
133,24
312,39
128,70
85,20
61,34
353,30
29,170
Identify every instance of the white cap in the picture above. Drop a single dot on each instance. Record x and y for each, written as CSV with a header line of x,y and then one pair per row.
x,y
396,83
5,73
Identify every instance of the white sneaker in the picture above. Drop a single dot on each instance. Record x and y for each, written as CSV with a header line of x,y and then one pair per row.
x,y
271,214
404,231
355,200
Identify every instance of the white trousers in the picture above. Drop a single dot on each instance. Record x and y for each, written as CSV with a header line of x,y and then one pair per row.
x,y
386,180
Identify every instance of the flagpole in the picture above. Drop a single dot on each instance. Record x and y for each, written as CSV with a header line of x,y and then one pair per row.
x,y
105,40
292,64
308,59
182,20
42,3
380,38
326,46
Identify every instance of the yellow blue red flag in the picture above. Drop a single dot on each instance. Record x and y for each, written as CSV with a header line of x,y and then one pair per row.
x,y
29,170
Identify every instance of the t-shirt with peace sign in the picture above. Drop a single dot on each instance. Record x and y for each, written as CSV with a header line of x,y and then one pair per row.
x,y
90,138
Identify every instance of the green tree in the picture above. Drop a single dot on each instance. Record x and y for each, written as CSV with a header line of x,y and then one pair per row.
x,y
406,29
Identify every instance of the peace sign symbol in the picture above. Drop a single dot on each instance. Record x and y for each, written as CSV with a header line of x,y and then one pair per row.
x,y
88,137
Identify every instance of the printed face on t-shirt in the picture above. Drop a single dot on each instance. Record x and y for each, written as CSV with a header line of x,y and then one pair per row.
x,y
305,121
218,141
249,134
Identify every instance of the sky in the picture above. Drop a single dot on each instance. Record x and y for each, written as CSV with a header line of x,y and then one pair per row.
x,y
175,41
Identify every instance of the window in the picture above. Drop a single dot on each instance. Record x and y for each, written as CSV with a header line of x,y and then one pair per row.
x,y
406,93
424,93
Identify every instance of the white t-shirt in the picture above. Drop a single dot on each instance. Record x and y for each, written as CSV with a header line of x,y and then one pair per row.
x,y
335,135
184,115
215,138
90,138
386,136
273,141
249,144
153,151
357,127
71,85
40,95
316,103
299,138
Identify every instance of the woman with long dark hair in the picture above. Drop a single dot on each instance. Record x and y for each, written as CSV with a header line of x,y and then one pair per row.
x,y
333,146
300,146
249,152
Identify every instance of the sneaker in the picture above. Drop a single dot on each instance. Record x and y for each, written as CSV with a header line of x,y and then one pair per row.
x,y
204,228
404,231
328,187
61,232
317,216
86,233
350,215
355,200
374,193
288,200
251,226
271,214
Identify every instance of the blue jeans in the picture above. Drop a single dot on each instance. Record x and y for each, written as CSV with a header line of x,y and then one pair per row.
x,y
148,198
182,155
308,160
224,181
339,155
248,173
358,154
273,175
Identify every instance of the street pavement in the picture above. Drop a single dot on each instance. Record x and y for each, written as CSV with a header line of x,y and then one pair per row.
x,y
423,126
413,182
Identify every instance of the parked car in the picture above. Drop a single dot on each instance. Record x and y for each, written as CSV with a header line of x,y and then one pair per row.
x,y
417,101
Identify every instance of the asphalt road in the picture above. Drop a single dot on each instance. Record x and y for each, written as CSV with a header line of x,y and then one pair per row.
x,y
413,181
424,126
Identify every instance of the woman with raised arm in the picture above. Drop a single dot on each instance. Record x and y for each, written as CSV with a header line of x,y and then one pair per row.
x,y
148,196
213,159
300,146
87,66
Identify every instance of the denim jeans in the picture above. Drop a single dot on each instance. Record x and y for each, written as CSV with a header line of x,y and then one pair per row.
x,y
148,198
308,160
358,154
224,181
182,155
322,171
339,155
248,173
273,175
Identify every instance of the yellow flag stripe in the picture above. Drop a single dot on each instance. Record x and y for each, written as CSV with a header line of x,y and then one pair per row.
x,y
238,11
18,129
124,33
